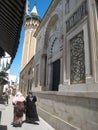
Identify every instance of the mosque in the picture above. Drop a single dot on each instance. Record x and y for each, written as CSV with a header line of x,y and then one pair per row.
x,y
60,63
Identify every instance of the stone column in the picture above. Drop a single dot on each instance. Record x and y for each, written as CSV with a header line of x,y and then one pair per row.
x,y
87,54
43,71
93,17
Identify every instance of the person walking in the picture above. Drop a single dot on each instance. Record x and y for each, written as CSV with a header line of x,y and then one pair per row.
x,y
31,111
5,97
19,108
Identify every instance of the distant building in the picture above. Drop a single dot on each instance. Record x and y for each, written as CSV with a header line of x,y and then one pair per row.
x,y
13,80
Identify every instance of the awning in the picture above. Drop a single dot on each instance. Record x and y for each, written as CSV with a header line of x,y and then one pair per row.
x,y
11,19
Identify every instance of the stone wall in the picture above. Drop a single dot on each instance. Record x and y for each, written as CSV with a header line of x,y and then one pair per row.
x,y
69,110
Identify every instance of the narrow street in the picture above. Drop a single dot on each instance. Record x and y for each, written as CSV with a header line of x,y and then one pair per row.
x,y
6,115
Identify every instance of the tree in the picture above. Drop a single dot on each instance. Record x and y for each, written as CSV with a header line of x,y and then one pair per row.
x,y
3,78
4,74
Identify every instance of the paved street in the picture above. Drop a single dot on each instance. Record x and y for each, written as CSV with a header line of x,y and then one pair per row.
x,y
7,118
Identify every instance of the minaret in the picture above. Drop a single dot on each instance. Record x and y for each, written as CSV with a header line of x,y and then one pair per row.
x,y
31,22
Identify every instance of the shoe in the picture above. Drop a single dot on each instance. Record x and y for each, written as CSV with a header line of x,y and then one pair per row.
x,y
35,123
17,125
20,125
14,125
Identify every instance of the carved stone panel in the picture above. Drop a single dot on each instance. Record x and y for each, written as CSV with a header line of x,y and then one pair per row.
x,y
55,44
77,16
77,59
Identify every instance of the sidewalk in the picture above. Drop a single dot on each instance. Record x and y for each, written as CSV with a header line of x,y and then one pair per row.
x,y
7,118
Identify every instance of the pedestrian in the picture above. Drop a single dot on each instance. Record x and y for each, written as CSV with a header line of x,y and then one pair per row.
x,y
19,108
5,97
9,92
31,111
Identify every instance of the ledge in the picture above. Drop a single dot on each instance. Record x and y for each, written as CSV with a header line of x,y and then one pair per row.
x,y
70,94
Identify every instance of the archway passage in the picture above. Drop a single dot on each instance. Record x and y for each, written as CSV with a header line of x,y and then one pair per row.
x,y
55,75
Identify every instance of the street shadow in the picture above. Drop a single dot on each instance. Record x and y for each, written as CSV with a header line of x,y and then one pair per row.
x,y
2,101
35,123
3,127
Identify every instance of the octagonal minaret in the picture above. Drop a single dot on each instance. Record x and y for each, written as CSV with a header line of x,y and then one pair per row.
x,y
31,22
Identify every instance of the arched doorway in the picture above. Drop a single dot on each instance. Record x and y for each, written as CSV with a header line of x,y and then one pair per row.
x,y
52,53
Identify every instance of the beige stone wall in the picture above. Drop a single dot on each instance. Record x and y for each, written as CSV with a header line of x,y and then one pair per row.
x,y
27,77
32,46
25,50
69,111
28,48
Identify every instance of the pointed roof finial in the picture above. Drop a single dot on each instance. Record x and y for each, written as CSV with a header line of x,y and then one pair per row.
x,y
34,10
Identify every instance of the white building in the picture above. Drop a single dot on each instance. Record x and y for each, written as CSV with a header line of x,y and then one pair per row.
x,y
13,80
4,61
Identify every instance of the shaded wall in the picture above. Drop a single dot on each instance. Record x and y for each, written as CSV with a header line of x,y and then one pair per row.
x,y
69,111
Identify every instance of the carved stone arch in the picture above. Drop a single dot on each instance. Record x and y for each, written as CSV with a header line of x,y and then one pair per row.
x,y
51,23
44,68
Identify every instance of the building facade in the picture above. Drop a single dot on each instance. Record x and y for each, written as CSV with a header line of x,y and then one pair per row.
x,y
64,53
65,65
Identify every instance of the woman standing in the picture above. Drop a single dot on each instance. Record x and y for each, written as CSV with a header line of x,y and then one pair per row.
x,y
19,107
31,112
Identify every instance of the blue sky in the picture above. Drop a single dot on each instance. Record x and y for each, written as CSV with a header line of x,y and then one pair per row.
x,y
42,6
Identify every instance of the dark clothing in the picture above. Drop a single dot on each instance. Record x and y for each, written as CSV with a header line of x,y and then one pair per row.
x,y
31,112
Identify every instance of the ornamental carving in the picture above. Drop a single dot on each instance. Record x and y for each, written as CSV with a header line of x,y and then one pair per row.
x,y
55,44
77,16
77,58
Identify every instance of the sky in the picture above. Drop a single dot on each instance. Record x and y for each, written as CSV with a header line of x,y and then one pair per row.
x,y
42,6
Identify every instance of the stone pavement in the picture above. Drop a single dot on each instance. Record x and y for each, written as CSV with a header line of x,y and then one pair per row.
x,y
7,118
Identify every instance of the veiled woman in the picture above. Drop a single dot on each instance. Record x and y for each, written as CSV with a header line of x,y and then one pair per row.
x,y
19,107
31,111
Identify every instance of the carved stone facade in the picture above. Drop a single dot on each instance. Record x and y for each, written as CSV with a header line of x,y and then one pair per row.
x,y
81,20
49,51
64,44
